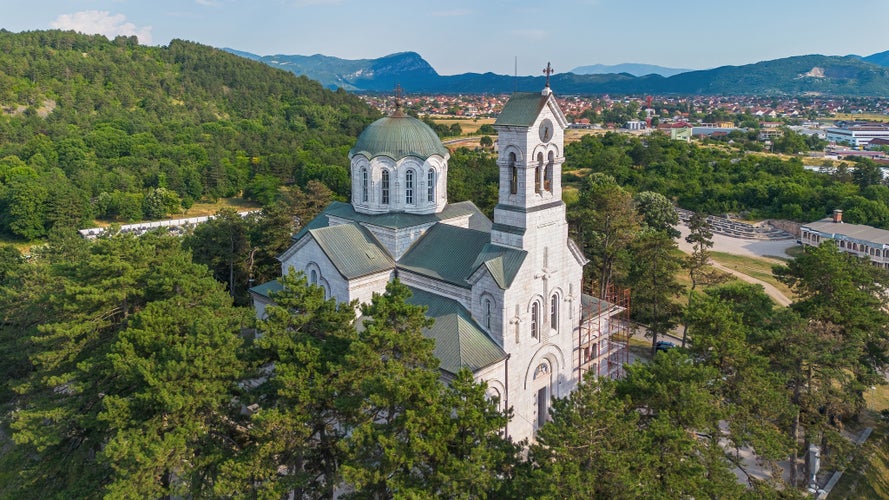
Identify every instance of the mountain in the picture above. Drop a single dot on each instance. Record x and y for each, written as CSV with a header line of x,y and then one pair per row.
x,y
880,58
799,75
404,68
811,74
634,69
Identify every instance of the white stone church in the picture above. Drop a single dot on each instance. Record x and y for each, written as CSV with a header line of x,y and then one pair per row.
x,y
505,295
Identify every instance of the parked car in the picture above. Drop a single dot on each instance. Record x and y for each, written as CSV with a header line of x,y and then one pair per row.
x,y
663,345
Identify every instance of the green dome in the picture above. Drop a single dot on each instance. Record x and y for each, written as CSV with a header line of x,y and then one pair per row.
x,y
398,136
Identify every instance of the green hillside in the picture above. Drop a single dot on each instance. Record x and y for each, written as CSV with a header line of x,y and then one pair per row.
x,y
812,74
98,128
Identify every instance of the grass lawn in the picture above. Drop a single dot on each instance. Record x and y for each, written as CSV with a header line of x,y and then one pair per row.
x,y
200,209
868,476
469,125
756,267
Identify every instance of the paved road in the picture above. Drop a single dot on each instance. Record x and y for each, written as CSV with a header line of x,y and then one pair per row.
x,y
749,248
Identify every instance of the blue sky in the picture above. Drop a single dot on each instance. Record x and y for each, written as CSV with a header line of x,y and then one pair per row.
x,y
458,36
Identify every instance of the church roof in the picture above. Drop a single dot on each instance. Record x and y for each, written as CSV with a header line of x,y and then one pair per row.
x,y
353,250
447,253
503,263
397,137
399,220
267,288
522,109
459,341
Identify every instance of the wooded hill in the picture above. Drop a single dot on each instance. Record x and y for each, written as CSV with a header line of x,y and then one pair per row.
x,y
798,75
98,128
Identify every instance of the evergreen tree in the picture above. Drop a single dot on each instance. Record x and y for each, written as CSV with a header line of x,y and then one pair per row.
x,y
298,388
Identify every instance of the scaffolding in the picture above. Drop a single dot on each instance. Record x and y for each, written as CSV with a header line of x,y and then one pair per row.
x,y
604,334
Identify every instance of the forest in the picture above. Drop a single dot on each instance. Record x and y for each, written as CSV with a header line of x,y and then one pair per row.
x,y
134,366
92,128
128,371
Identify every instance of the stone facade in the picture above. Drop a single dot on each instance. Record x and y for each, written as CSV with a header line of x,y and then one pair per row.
x,y
524,292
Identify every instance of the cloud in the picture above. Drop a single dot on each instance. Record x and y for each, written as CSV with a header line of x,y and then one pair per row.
x,y
207,3
531,34
103,23
452,13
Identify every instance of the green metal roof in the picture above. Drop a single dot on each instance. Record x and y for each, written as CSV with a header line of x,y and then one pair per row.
x,y
267,288
447,253
522,109
317,222
399,220
503,263
353,250
459,341
397,137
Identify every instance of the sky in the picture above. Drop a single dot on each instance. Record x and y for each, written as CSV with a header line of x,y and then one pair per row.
x,y
500,36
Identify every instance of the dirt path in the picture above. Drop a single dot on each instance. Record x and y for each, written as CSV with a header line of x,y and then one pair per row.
x,y
749,248
770,289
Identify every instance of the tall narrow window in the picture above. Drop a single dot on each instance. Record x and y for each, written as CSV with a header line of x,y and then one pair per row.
x,y
384,188
513,175
548,173
535,320
364,186
313,277
554,312
488,314
409,187
537,172
430,186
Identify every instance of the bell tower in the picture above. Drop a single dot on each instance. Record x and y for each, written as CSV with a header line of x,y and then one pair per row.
x,y
530,137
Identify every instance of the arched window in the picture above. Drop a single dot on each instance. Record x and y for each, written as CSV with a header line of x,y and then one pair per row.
x,y
430,185
364,185
313,277
535,321
513,175
537,172
488,314
548,173
409,187
554,312
384,188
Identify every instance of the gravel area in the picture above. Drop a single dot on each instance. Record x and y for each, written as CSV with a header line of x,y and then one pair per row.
x,y
741,246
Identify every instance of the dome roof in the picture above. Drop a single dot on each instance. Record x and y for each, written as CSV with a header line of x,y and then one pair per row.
x,y
398,136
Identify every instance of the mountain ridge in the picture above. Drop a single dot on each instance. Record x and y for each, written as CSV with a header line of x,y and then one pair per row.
x,y
812,74
635,69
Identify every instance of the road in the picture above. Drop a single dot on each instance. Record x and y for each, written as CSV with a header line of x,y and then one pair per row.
x,y
748,248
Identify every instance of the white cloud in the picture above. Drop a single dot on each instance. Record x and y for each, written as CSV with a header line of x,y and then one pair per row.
x,y
103,23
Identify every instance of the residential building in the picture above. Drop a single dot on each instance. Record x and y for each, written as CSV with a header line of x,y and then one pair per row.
x,y
859,240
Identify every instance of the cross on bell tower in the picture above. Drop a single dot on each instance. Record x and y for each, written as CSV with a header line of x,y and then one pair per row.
x,y
398,93
548,70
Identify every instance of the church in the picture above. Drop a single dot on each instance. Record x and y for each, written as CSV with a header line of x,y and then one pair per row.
x,y
506,295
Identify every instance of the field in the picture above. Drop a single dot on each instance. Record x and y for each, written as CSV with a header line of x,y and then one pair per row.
x,y
874,117
469,125
868,476
759,268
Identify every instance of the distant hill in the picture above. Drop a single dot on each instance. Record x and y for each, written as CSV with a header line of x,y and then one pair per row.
x,y
799,75
404,68
880,58
634,69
